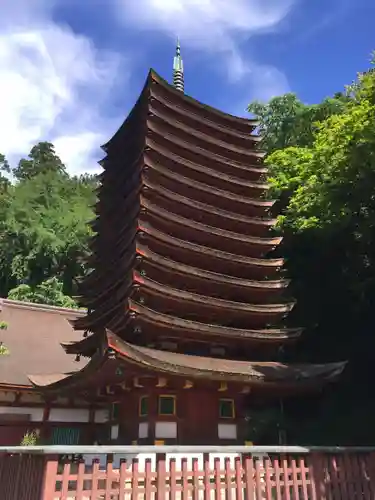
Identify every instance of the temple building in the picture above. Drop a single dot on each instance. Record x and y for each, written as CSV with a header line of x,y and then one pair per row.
x,y
186,306
30,339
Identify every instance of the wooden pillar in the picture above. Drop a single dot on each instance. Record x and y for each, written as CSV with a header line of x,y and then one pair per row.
x,y
45,425
91,431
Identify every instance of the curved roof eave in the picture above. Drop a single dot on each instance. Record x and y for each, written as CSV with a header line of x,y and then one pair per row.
x,y
176,294
165,320
178,127
198,226
213,173
176,109
153,145
168,263
199,367
210,209
250,122
196,367
58,381
154,77
201,249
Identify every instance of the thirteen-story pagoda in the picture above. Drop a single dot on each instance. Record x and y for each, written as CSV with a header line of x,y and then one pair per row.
x,y
185,306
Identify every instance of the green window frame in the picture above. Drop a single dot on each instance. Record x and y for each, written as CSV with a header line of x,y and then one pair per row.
x,y
67,436
143,406
115,411
226,408
167,405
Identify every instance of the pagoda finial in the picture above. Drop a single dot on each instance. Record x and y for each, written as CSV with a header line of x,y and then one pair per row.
x,y
178,69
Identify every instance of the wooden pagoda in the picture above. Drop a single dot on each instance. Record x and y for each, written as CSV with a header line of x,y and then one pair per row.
x,y
184,304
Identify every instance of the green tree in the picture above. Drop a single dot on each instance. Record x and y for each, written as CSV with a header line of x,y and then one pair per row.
x,y
42,159
286,121
328,222
4,175
49,292
44,226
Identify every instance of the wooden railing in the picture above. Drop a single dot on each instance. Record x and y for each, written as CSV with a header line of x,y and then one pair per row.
x,y
167,472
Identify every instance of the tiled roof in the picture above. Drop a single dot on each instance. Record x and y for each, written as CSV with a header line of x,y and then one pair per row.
x,y
223,369
33,336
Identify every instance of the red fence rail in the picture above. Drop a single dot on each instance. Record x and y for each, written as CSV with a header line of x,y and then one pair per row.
x,y
289,474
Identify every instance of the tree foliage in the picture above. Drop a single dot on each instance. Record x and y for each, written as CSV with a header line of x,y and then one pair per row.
x,y
42,159
49,292
44,227
285,121
322,167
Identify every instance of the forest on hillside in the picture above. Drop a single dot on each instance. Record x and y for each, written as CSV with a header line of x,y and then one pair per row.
x,y
322,171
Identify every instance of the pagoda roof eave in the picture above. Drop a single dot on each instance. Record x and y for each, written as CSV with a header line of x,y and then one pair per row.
x,y
179,126
153,77
150,317
154,145
85,347
250,122
206,188
167,263
198,367
105,147
175,108
210,209
165,291
57,381
204,250
183,365
198,226
153,128
214,173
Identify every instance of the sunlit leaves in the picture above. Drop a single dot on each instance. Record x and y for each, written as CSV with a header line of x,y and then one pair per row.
x,y
44,230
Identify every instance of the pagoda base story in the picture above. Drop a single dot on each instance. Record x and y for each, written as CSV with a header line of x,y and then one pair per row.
x,y
171,398
187,417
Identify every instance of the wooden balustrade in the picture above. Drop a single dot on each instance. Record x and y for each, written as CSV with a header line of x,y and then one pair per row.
x,y
233,473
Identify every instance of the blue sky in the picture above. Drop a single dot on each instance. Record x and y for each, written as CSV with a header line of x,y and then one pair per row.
x,y
71,69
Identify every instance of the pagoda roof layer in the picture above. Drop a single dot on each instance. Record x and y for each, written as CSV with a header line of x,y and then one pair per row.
x,y
160,151
162,123
195,367
165,321
152,233
165,263
183,182
220,369
146,285
172,326
203,111
195,210
203,232
161,97
231,181
163,244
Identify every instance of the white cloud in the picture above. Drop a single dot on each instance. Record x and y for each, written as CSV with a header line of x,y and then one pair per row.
x,y
80,151
204,22
52,85
216,26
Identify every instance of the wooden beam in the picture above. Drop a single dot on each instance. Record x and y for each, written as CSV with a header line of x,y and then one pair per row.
x,y
162,382
136,382
223,387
